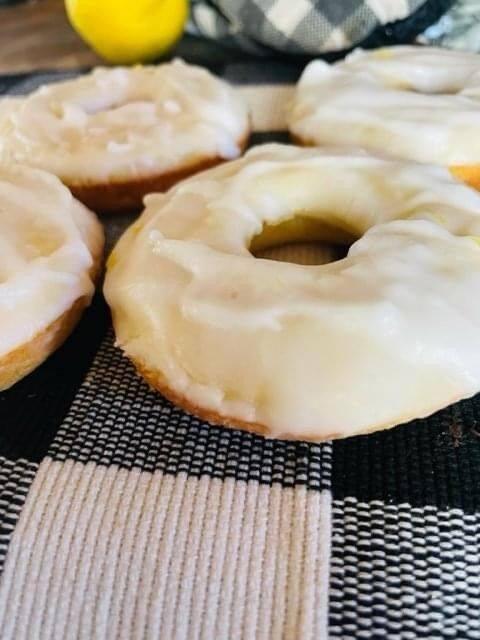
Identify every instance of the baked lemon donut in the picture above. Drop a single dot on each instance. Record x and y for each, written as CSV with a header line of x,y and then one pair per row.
x,y
390,333
115,134
50,251
417,103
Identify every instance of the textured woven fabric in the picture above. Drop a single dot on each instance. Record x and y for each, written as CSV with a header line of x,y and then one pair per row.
x,y
102,552
404,572
121,516
458,28
15,479
309,26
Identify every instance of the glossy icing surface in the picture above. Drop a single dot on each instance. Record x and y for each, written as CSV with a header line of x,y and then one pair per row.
x,y
389,333
48,242
119,124
418,103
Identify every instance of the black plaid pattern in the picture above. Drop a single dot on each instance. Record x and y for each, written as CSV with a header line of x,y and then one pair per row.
x,y
304,26
403,572
15,479
435,461
117,419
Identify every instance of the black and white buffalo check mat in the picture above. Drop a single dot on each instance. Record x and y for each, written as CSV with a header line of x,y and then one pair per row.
x,y
123,517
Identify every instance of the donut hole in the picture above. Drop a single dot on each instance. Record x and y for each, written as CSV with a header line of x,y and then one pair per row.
x,y
302,240
28,245
38,242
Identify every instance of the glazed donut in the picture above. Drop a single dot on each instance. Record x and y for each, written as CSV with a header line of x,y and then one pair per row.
x,y
50,252
115,134
390,333
417,103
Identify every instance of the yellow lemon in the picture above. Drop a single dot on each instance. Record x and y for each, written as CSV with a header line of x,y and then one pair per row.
x,y
128,31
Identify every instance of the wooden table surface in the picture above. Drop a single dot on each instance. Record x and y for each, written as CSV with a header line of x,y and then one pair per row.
x,y
37,35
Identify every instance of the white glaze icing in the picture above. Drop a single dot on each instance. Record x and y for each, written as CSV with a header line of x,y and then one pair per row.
x,y
389,333
418,103
47,244
120,123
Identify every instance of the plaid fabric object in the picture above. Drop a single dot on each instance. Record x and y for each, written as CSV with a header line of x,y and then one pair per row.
x,y
310,27
459,28
121,516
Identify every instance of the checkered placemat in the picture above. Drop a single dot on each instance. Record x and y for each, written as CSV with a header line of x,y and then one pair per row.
x,y
312,26
121,516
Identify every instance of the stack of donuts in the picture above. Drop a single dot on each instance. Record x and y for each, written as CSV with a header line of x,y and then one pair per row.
x,y
384,161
